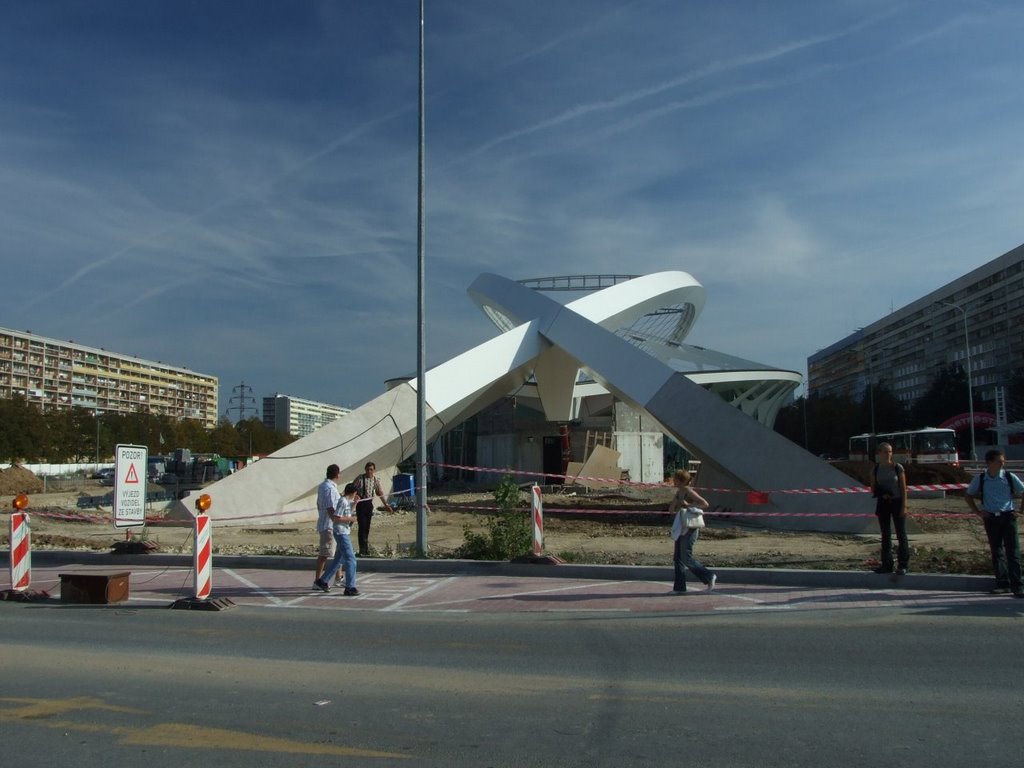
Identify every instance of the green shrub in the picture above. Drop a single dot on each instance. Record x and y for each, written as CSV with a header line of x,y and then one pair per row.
x,y
509,533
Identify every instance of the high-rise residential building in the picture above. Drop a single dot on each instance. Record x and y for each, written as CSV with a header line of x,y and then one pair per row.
x,y
297,416
55,374
976,319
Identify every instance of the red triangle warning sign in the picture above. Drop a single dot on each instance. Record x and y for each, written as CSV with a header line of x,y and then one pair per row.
x,y
131,477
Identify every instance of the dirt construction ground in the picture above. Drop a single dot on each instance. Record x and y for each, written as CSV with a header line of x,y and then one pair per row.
x,y
628,531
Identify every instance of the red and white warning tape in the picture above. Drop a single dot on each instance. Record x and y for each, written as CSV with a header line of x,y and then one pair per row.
x,y
712,513
619,482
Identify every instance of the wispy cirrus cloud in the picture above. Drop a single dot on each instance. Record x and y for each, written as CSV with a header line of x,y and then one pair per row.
x,y
711,69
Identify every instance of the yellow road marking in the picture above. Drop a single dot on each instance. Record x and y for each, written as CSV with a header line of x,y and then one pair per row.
x,y
40,708
166,734
184,735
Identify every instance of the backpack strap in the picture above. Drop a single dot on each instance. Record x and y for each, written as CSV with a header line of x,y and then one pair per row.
x,y
1010,477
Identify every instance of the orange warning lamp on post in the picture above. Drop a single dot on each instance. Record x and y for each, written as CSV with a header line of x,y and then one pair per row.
x,y
21,501
203,502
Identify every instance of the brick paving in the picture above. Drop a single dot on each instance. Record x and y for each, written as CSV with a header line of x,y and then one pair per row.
x,y
418,593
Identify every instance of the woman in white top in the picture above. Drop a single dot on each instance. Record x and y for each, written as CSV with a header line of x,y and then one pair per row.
x,y
683,556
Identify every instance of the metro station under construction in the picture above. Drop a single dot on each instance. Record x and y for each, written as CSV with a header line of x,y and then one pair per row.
x,y
621,342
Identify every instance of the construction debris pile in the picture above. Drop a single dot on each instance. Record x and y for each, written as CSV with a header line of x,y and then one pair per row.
x,y
19,480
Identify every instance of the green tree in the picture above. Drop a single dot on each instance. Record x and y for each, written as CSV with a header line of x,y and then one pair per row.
x,y
945,397
254,439
881,410
80,434
790,421
191,434
1015,396
225,440
827,421
62,436
23,433
83,442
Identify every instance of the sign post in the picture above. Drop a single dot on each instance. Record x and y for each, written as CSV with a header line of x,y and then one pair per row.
x,y
130,485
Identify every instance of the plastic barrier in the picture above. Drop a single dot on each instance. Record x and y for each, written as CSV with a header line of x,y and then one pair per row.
x,y
538,521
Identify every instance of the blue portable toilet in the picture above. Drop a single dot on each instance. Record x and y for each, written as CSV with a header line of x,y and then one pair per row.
x,y
403,489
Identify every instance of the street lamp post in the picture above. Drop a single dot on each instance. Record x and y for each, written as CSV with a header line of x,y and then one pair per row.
x,y
970,388
871,384
421,358
871,391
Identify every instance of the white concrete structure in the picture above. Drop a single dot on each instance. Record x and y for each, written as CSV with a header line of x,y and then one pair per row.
x,y
549,344
756,389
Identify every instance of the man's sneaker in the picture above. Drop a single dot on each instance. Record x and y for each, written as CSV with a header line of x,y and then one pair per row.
x,y
711,581
339,581
901,571
322,585
1018,594
351,592
1000,591
883,569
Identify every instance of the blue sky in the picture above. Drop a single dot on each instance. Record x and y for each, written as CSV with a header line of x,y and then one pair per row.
x,y
231,186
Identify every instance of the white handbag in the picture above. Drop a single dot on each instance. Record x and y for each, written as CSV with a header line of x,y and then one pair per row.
x,y
685,519
694,518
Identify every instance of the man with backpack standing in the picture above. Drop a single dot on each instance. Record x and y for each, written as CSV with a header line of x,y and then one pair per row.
x,y
996,489
889,487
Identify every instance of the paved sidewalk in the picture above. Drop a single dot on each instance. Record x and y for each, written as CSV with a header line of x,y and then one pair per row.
x,y
437,567
474,587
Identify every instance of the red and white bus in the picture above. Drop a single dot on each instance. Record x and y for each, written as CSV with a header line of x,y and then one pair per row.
x,y
915,446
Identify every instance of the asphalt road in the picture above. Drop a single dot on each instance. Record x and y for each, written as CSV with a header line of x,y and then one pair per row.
x,y
137,685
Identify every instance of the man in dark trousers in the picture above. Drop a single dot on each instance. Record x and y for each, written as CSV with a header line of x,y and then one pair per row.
x,y
367,486
889,487
995,489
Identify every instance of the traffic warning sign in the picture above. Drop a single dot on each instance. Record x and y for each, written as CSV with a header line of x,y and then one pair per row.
x,y
130,485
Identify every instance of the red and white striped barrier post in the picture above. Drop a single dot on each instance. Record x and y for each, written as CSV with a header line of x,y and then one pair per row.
x,y
21,546
202,549
538,521
202,558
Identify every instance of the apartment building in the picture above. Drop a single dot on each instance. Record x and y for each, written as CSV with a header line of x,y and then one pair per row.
x,y
62,374
977,318
297,416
